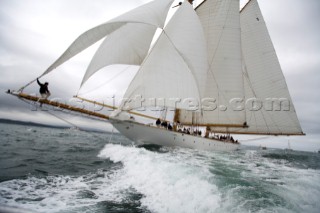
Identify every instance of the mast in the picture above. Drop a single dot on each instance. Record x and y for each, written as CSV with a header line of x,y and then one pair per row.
x,y
221,23
176,121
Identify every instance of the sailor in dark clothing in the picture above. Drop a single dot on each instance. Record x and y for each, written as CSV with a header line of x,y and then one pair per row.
x,y
164,124
158,122
44,91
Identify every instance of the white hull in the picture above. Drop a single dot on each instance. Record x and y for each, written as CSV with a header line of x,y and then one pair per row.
x,y
143,134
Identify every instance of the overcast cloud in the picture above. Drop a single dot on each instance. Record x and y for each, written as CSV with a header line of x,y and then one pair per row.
x,y
33,34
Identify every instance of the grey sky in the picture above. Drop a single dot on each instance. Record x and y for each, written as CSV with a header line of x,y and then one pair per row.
x,y
33,34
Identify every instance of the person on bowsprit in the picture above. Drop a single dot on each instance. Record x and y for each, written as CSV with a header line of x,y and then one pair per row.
x,y
44,91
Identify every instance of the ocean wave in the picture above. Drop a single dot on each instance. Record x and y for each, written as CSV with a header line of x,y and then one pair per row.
x,y
79,173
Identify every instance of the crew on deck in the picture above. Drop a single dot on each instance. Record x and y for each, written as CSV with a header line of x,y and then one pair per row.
x,y
195,131
158,122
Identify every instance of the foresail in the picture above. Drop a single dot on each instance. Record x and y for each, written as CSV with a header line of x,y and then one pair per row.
x,y
153,13
269,106
221,24
176,67
127,45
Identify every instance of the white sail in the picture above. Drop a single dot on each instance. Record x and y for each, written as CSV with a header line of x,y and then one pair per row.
x,y
264,81
176,66
214,66
127,45
153,13
221,24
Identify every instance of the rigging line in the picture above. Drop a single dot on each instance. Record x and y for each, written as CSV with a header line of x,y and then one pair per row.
x,y
88,117
109,80
262,22
68,122
60,110
220,36
199,5
47,110
243,86
250,84
88,132
184,60
266,114
241,10
28,84
150,52
223,95
152,47
111,134
255,139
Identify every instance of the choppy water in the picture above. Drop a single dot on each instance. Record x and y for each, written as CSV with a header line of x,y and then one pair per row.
x,y
57,170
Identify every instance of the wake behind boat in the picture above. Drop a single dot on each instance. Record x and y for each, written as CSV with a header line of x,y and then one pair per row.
x,y
212,70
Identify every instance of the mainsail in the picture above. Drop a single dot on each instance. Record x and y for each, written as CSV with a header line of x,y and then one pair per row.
x,y
221,23
264,80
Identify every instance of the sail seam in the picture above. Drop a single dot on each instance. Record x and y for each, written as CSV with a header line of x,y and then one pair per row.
x,y
183,58
213,57
139,71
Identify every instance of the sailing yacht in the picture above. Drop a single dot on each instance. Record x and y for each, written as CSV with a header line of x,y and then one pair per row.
x,y
212,67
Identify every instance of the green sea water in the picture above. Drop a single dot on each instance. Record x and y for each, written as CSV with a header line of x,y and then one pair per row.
x,y
63,170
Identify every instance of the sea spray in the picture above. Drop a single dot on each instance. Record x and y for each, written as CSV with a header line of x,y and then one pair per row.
x,y
167,182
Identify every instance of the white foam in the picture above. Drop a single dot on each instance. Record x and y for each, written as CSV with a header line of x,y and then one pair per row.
x,y
169,183
57,193
180,180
